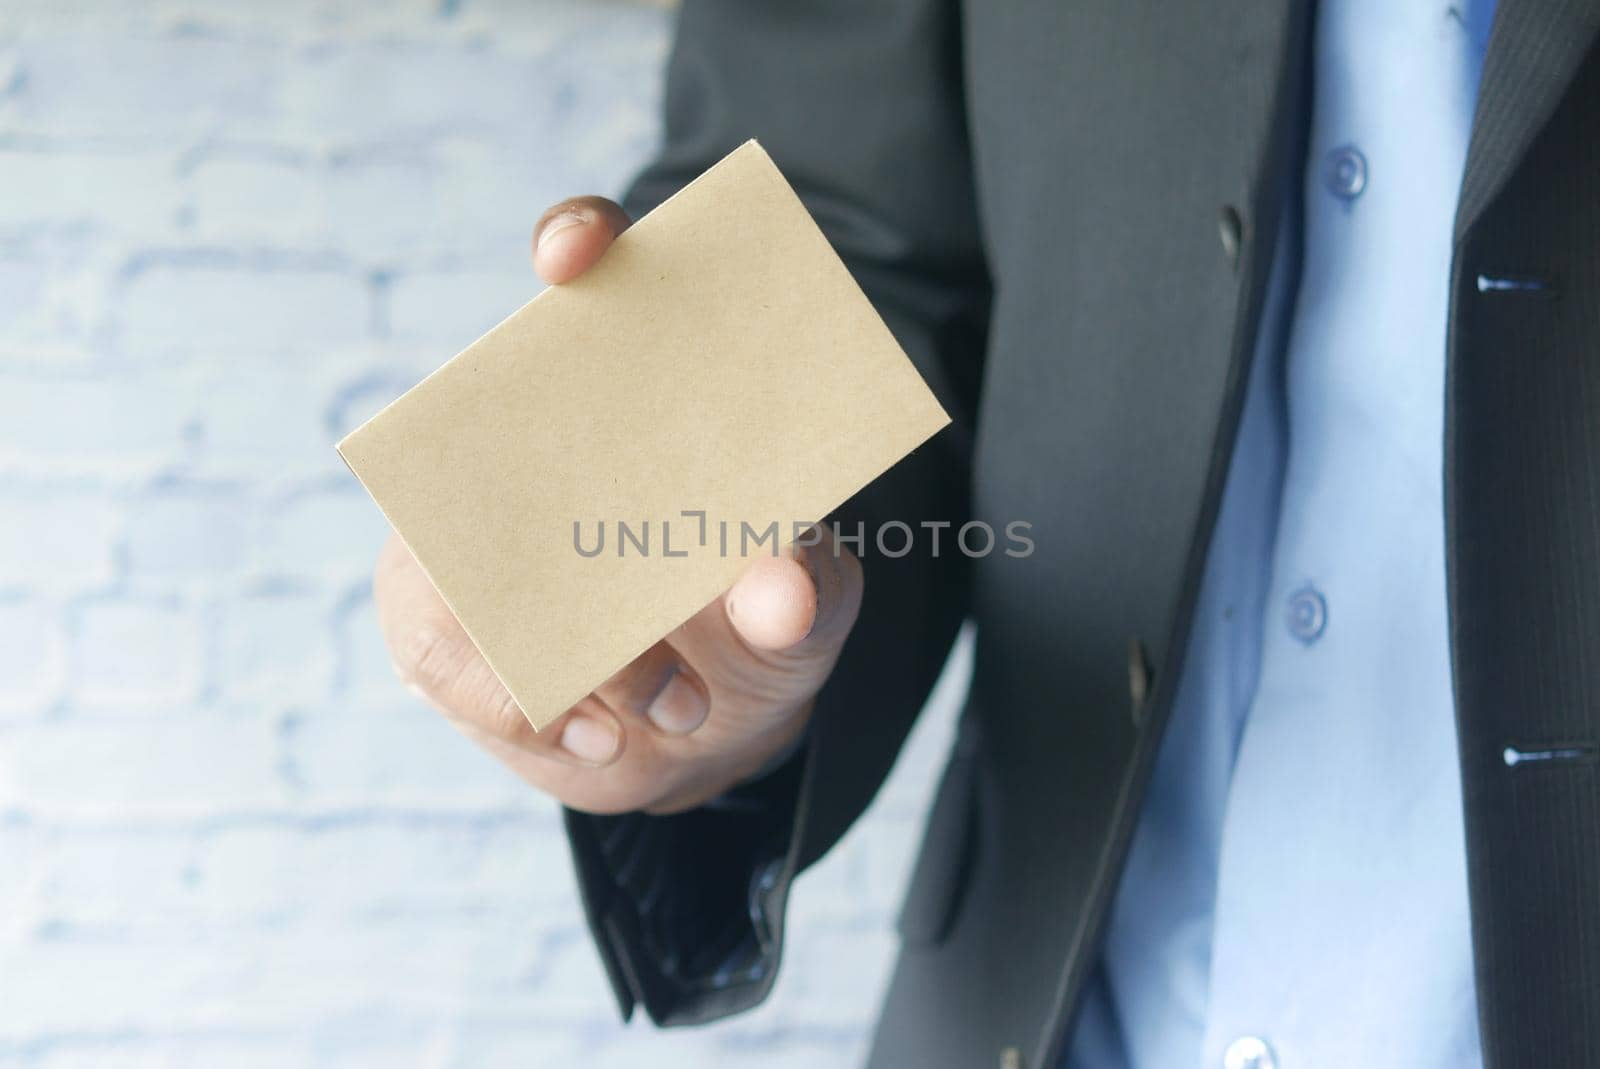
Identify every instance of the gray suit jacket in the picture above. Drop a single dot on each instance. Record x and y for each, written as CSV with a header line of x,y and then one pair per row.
x,y
1065,211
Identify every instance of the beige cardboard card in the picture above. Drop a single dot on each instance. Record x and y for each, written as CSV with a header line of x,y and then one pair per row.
x,y
719,360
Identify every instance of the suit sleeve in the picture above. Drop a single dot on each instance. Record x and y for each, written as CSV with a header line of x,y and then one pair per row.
x,y
860,104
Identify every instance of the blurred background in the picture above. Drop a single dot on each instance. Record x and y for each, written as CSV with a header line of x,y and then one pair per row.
x,y
229,233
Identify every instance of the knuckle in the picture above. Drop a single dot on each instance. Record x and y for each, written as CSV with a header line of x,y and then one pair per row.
x,y
502,716
428,657
444,666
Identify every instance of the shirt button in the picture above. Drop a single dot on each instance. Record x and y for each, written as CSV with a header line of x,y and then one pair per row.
x,y
1249,1052
1308,614
1345,172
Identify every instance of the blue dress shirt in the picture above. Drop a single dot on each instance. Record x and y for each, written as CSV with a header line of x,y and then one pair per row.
x,y
1296,893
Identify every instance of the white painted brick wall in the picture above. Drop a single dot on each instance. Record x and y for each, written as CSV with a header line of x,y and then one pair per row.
x,y
229,232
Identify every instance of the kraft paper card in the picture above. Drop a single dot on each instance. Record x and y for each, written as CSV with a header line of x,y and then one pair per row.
x,y
718,368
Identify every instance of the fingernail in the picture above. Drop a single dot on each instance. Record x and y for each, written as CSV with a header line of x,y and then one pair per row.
x,y
557,223
590,740
679,708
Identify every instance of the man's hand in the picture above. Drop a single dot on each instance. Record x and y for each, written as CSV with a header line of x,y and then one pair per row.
x,y
703,709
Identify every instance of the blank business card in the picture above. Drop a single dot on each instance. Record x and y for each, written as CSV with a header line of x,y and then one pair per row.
x,y
589,474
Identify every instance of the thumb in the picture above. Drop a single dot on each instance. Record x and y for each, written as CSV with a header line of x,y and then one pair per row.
x,y
805,599
573,234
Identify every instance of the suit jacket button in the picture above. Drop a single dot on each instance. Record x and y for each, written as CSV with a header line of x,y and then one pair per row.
x,y
1138,678
1230,227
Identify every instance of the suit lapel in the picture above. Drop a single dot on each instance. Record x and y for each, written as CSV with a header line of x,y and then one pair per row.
x,y
1535,48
